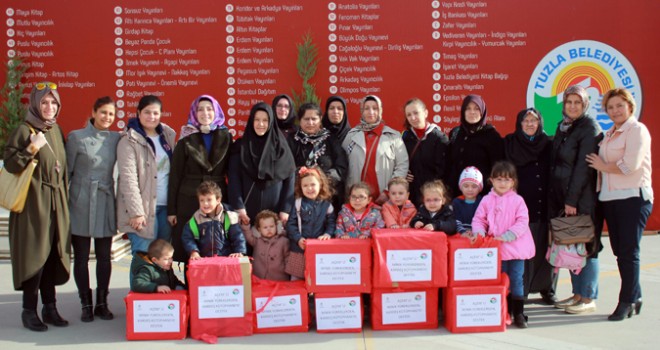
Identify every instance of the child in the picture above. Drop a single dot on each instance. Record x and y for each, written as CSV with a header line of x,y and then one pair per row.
x,y
271,247
398,211
312,217
152,271
360,215
470,183
434,214
212,231
503,214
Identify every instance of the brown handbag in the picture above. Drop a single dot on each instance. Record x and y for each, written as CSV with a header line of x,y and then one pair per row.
x,y
572,229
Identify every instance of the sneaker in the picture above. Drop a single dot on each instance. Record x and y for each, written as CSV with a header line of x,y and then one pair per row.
x,y
582,308
562,304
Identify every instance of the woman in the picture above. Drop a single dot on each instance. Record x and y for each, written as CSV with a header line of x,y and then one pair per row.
x,y
201,154
624,165
313,145
143,158
375,151
572,188
528,148
91,154
335,118
426,145
261,168
286,118
473,143
39,235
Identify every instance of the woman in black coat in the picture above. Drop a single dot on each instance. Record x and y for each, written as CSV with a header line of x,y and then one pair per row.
x,y
335,118
528,148
427,148
284,111
201,154
572,188
473,143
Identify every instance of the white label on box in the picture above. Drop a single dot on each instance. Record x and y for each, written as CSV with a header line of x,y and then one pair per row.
x,y
338,313
478,310
408,307
156,316
282,311
409,265
475,264
221,301
337,269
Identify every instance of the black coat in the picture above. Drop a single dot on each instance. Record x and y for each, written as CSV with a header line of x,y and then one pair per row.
x,y
191,165
533,185
480,149
333,162
444,220
428,161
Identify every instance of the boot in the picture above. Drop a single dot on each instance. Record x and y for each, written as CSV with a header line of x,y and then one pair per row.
x,y
623,311
32,322
87,306
519,317
50,315
509,308
101,310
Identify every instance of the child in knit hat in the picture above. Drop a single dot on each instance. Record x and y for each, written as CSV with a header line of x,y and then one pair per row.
x,y
471,182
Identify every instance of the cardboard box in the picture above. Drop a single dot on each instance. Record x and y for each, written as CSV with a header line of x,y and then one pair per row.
x,y
474,309
409,259
220,297
477,264
280,307
398,310
156,316
338,312
338,266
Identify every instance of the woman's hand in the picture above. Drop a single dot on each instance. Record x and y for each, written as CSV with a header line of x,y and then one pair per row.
x,y
236,255
595,162
195,256
324,237
284,217
410,177
138,223
382,198
37,141
302,244
163,289
570,210
243,217
172,220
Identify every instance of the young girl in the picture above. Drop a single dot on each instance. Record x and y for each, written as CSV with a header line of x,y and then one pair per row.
x,y
312,217
503,214
271,247
398,210
360,215
435,214
470,183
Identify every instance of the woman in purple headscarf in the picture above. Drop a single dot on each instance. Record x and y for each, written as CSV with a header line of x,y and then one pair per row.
x,y
201,154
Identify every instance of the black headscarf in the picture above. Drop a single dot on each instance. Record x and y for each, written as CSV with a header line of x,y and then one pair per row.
x,y
265,158
479,101
289,124
521,149
339,131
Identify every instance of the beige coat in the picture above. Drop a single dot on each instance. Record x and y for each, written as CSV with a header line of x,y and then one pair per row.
x,y
138,180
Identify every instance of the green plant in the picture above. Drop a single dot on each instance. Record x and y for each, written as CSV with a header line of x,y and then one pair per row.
x,y
12,109
306,63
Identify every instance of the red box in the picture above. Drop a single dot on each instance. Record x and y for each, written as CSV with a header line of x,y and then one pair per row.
x,y
157,316
477,264
338,266
409,259
220,297
471,309
280,307
338,312
395,309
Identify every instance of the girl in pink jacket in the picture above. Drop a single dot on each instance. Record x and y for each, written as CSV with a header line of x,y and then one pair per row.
x,y
503,215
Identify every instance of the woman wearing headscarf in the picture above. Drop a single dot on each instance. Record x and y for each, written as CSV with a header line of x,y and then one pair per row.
x,y
202,154
473,143
572,189
376,152
528,148
39,235
91,154
285,113
261,168
335,118
427,148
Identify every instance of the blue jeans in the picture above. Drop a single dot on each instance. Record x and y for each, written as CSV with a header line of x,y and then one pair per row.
x,y
586,283
514,269
162,230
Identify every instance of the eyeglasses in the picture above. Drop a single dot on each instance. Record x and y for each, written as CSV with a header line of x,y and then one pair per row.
x,y
359,198
283,107
41,86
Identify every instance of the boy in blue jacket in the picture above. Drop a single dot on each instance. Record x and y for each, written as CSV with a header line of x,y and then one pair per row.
x,y
212,231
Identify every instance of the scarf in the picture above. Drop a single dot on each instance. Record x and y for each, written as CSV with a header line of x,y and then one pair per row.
x,y
318,144
193,125
364,126
33,116
479,101
522,149
338,130
289,123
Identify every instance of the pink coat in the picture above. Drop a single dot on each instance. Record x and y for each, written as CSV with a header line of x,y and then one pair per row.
x,y
497,214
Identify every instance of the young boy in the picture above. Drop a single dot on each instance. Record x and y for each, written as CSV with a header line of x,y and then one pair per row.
x,y
271,246
398,211
470,183
212,231
152,271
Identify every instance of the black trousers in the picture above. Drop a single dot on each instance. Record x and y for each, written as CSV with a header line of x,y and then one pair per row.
x,y
43,280
81,249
